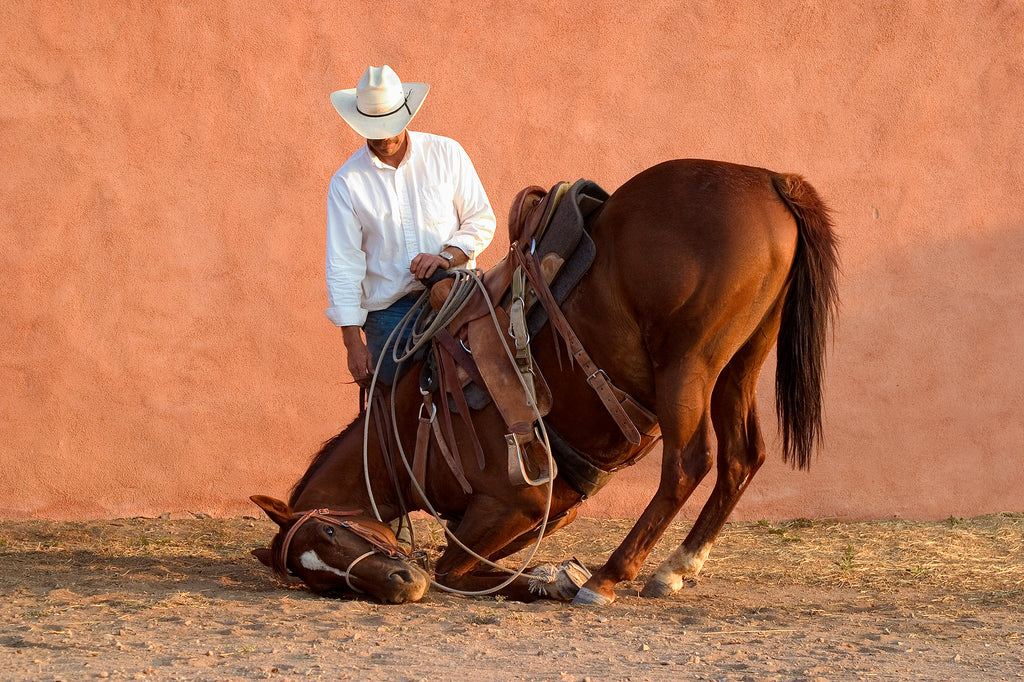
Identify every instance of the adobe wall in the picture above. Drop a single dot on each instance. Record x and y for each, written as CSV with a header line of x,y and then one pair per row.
x,y
163,346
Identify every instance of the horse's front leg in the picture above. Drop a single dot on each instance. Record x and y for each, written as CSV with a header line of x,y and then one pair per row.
x,y
682,469
530,537
488,527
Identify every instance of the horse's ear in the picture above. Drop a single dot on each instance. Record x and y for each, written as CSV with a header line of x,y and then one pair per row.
x,y
279,512
264,555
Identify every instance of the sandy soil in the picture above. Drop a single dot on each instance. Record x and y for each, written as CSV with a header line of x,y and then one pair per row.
x,y
164,599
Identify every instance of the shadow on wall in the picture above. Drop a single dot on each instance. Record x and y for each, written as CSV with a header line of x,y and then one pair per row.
x,y
923,407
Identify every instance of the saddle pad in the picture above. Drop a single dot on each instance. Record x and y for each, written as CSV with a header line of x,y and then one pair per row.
x,y
567,237
570,217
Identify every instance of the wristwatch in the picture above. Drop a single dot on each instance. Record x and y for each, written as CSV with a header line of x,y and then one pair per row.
x,y
447,255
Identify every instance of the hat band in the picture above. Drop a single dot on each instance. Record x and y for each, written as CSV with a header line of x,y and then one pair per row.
x,y
404,104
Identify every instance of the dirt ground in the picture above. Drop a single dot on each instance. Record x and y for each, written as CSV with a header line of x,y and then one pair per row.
x,y
163,599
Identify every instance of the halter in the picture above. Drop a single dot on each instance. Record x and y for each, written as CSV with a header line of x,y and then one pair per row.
x,y
379,542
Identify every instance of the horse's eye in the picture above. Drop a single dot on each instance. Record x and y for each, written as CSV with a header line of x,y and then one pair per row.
x,y
329,531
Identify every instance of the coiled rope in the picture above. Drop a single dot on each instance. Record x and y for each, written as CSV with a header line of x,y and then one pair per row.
x,y
466,283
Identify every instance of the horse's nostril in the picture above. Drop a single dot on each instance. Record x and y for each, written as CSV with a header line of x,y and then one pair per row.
x,y
402,575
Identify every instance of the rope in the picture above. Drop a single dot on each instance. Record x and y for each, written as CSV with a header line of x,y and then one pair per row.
x,y
466,283
457,299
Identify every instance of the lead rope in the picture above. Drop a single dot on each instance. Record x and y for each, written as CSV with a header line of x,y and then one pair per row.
x,y
451,307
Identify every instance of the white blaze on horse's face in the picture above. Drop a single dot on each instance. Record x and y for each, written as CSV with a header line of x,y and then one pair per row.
x,y
311,561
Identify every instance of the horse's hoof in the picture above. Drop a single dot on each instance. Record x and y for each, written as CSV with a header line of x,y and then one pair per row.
x,y
588,597
656,589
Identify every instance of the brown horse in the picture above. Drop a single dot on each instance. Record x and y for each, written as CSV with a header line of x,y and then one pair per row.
x,y
701,267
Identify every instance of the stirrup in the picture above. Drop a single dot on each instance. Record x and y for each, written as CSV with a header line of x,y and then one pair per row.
x,y
517,475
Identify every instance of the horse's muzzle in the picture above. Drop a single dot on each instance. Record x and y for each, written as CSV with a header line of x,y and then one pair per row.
x,y
406,583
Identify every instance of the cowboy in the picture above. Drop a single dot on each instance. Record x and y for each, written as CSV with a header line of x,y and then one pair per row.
x,y
403,205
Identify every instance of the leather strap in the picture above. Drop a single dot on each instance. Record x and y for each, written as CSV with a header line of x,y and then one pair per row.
x,y
453,462
428,415
596,377
450,386
459,354
428,424
385,437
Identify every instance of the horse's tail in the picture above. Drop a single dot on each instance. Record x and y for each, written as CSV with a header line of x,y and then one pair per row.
x,y
808,311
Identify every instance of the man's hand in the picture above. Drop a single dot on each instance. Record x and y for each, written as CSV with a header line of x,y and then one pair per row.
x,y
360,362
424,265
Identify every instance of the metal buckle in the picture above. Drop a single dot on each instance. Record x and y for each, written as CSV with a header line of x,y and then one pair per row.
x,y
591,379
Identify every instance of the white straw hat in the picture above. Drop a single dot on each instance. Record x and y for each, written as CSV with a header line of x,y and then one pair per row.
x,y
380,106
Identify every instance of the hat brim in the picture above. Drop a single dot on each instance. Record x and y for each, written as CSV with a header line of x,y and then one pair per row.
x,y
379,127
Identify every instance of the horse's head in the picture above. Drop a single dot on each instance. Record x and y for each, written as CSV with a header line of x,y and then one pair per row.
x,y
340,552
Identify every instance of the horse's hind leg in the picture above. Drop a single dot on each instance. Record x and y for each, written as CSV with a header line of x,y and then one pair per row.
x,y
740,454
686,459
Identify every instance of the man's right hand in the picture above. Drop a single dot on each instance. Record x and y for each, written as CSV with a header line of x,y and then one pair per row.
x,y
360,362
425,264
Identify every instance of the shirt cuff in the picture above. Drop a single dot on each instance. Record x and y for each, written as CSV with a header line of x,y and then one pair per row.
x,y
346,317
464,244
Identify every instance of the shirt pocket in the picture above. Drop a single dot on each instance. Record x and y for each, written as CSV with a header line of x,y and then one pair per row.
x,y
439,206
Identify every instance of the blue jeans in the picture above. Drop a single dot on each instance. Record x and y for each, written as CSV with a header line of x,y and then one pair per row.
x,y
378,327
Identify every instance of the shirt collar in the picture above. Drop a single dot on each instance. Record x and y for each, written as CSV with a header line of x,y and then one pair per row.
x,y
377,163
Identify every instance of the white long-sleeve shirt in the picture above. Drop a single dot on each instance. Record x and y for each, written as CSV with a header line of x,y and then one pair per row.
x,y
379,218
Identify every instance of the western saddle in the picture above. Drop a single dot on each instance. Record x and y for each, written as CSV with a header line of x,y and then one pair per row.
x,y
483,353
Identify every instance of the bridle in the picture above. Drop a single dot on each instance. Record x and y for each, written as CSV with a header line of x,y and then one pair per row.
x,y
378,541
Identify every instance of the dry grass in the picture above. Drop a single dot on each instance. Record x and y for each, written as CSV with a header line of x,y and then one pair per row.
x,y
982,556
184,599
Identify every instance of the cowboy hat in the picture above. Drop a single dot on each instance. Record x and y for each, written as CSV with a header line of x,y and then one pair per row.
x,y
380,106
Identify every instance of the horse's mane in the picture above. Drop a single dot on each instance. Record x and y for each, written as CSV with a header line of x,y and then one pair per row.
x,y
320,458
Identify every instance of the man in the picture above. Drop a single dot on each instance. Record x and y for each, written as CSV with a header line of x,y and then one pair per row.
x,y
402,206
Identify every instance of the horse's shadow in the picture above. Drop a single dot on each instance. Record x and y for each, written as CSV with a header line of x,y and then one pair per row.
x,y
125,581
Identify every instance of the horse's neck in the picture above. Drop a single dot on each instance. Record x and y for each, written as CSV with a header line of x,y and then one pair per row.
x,y
340,482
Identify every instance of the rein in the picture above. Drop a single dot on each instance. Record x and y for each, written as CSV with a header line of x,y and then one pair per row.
x,y
466,281
380,544
617,402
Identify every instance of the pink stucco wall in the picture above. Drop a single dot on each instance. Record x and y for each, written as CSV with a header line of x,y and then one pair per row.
x,y
163,347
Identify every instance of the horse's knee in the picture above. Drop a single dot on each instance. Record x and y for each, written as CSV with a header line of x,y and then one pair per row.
x,y
455,580
453,565
690,467
735,473
699,463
